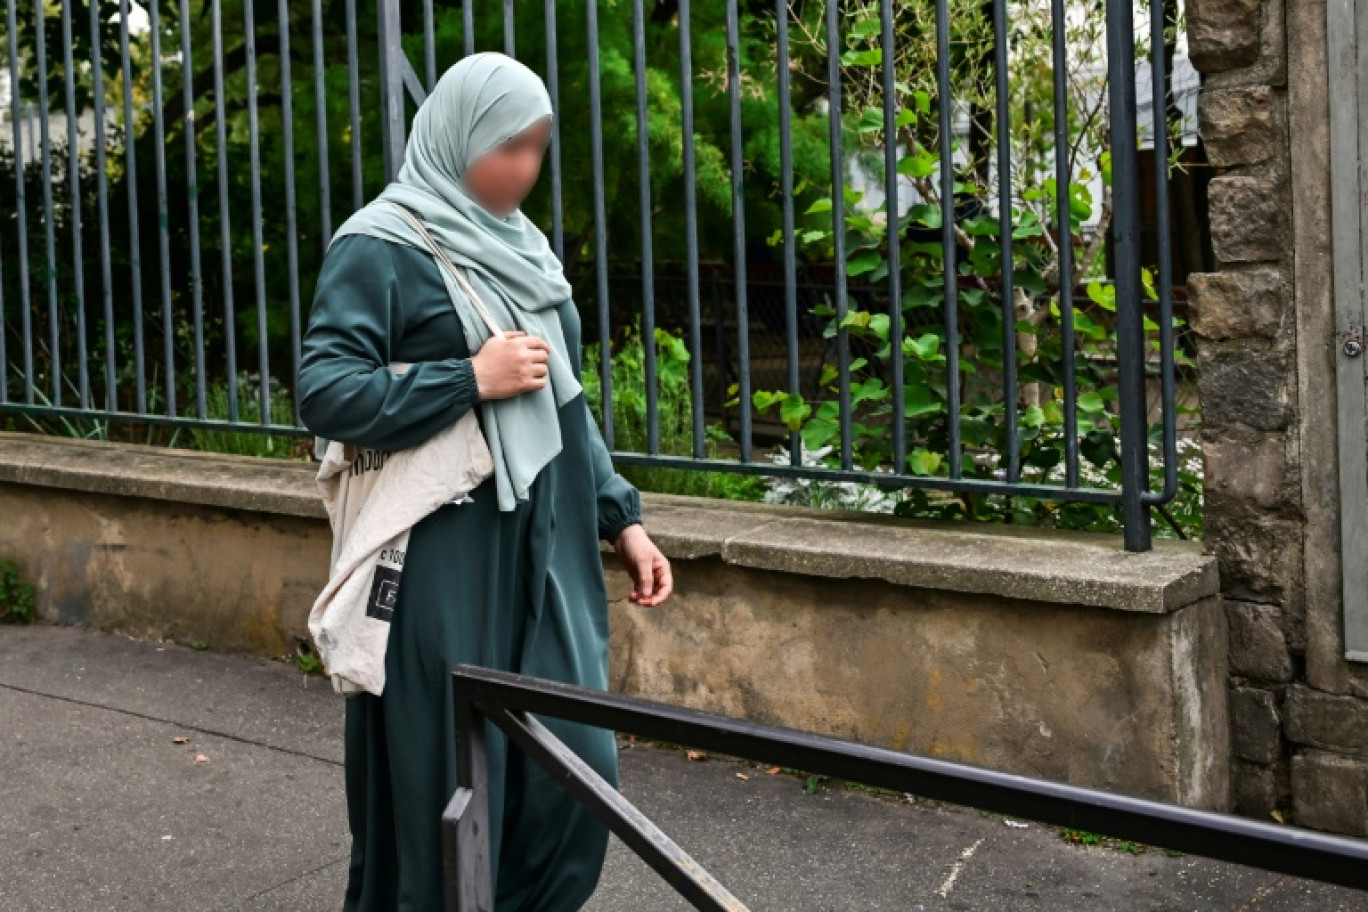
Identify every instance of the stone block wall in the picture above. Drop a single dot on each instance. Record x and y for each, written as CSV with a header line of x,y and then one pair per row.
x,y
1299,712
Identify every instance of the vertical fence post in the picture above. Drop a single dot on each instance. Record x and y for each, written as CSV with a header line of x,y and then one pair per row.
x,y
391,87
467,874
1125,238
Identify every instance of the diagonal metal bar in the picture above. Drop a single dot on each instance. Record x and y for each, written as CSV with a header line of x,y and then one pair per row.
x,y
647,840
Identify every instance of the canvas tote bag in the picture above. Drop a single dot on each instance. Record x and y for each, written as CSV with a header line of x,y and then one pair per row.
x,y
347,477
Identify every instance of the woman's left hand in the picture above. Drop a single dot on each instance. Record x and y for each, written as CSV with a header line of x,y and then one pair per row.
x,y
649,569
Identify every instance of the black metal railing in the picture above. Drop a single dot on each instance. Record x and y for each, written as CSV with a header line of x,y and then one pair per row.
x,y
509,701
309,105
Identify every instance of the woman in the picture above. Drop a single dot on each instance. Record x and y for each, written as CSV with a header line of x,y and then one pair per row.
x,y
512,579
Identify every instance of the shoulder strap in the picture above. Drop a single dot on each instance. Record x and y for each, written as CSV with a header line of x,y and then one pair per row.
x,y
444,261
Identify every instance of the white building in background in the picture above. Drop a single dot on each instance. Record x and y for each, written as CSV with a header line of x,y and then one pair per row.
x,y
29,125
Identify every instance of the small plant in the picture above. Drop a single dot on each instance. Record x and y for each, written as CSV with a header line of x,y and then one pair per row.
x,y
17,599
674,415
1085,838
307,660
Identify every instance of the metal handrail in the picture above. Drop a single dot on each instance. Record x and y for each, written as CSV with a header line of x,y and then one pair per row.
x,y
509,701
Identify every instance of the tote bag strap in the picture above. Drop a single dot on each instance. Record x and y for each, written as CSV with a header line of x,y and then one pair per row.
x,y
445,261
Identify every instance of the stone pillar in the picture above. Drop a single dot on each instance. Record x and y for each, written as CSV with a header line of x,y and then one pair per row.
x,y
1243,316
1298,713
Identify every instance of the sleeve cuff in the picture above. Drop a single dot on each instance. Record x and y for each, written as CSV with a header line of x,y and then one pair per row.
x,y
465,388
619,512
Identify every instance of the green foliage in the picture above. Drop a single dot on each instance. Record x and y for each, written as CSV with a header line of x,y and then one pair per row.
x,y
263,294
1124,846
674,416
17,600
711,140
245,443
1037,323
306,659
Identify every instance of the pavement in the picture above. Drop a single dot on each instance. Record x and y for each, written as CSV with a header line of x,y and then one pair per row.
x,y
101,808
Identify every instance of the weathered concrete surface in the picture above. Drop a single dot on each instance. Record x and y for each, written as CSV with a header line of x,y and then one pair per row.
x,y
1113,700
1056,655
94,782
236,579
156,473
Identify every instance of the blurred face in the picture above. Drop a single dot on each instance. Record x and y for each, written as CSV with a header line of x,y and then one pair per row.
x,y
501,178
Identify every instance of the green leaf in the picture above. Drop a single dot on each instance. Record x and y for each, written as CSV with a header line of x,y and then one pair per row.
x,y
865,29
818,432
1103,296
856,318
870,57
864,261
921,400
1092,403
764,400
919,165
871,120
926,347
793,411
923,462
873,388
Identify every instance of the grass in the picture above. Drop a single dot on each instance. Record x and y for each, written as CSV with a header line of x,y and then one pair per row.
x,y
244,442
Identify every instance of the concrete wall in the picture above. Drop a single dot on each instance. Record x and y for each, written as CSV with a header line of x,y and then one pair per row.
x,y
1266,321
1059,656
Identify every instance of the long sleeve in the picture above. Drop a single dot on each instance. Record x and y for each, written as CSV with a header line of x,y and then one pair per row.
x,y
619,502
355,329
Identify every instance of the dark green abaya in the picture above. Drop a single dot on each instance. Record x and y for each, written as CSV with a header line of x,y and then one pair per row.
x,y
520,590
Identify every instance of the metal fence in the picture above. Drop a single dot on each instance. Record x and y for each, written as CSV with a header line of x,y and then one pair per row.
x,y
508,701
224,139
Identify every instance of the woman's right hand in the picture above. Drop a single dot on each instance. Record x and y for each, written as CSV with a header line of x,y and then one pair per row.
x,y
510,366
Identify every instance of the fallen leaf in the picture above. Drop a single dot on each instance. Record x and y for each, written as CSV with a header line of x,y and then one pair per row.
x,y
201,758
181,739
773,770
743,776
696,755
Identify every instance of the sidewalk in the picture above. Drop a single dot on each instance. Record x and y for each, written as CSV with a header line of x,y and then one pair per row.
x,y
101,809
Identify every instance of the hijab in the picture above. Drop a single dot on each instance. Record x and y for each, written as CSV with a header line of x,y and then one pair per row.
x,y
480,102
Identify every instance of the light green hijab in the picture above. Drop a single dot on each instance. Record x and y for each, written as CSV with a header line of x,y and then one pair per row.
x,y
480,102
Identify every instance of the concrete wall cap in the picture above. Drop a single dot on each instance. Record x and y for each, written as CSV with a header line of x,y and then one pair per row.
x,y
1076,568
